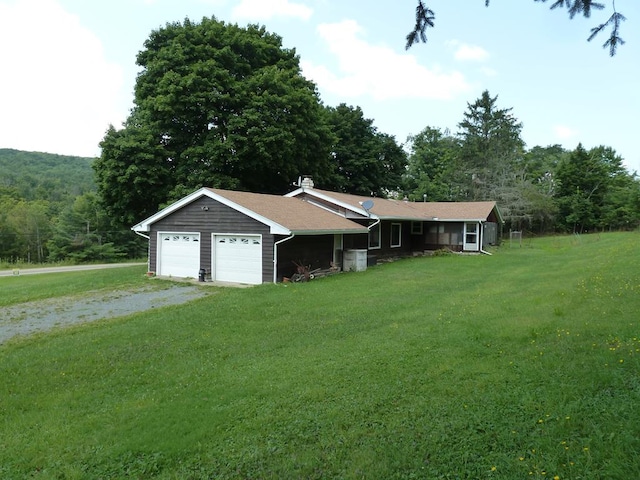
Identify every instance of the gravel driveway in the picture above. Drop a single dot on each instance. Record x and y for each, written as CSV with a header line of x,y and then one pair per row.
x,y
43,315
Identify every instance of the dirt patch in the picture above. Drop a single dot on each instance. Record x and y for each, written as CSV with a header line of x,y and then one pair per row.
x,y
43,315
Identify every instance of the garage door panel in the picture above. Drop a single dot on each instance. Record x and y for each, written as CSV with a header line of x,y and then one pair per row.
x,y
238,258
179,254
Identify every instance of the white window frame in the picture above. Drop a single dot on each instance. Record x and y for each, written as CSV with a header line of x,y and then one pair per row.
x,y
399,227
471,237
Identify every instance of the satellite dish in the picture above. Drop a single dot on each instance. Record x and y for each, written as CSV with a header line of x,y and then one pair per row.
x,y
367,205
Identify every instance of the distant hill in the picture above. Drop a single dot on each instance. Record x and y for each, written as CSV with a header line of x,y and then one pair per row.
x,y
44,176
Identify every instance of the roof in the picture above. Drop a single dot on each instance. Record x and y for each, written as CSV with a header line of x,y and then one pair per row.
x,y
284,215
389,209
452,211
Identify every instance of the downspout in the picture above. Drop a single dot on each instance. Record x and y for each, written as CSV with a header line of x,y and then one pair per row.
x,y
275,256
369,230
148,248
482,239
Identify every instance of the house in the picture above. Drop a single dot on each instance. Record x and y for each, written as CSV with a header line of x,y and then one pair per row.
x,y
243,237
255,238
401,228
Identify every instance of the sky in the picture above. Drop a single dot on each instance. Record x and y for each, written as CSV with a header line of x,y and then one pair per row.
x,y
68,67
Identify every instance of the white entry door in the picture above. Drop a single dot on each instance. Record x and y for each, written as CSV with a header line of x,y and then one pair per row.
x,y
471,237
237,258
178,254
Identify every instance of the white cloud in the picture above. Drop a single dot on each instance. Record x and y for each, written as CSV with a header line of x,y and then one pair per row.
x,y
58,92
377,70
563,132
489,72
466,52
261,10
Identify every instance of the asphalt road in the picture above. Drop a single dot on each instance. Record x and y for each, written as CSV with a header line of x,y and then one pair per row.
x,y
74,268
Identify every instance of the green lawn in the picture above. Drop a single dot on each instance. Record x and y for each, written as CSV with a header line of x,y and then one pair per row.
x,y
524,364
27,288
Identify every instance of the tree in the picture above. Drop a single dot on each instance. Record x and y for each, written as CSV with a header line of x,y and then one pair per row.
x,y
82,232
541,164
9,240
491,146
583,182
30,223
365,161
215,105
620,207
491,157
425,18
432,172
132,174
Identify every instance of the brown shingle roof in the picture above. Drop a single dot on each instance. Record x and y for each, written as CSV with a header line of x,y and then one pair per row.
x,y
459,210
399,209
297,216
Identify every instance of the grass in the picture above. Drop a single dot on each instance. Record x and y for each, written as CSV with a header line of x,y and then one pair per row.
x,y
22,264
24,288
524,364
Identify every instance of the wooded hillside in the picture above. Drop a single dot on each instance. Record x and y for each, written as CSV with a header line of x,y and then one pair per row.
x,y
44,176
50,211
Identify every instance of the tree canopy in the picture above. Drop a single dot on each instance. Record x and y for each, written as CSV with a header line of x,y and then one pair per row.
x,y
425,18
542,189
215,105
364,161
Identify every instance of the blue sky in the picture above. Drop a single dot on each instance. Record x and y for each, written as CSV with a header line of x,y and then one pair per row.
x,y
68,66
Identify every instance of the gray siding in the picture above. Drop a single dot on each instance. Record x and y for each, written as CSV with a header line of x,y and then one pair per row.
x,y
490,234
386,250
218,218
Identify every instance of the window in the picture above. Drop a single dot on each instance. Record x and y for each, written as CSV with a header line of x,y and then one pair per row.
x,y
374,236
396,234
471,233
416,228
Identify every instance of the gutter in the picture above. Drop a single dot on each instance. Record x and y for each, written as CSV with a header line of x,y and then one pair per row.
x,y
374,224
148,248
275,256
142,234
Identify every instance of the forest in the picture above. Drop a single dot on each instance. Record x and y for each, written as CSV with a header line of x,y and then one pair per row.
x,y
225,106
50,212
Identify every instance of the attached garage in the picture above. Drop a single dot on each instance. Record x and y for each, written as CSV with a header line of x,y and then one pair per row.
x,y
241,237
237,258
178,254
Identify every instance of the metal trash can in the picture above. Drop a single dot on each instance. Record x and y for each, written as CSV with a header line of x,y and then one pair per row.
x,y
201,274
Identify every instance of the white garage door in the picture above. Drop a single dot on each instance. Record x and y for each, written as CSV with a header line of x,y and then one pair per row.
x,y
237,258
179,254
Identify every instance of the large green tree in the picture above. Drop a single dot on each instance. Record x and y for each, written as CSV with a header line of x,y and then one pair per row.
x,y
432,171
425,18
25,228
540,166
583,181
596,183
82,233
491,146
215,105
364,160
